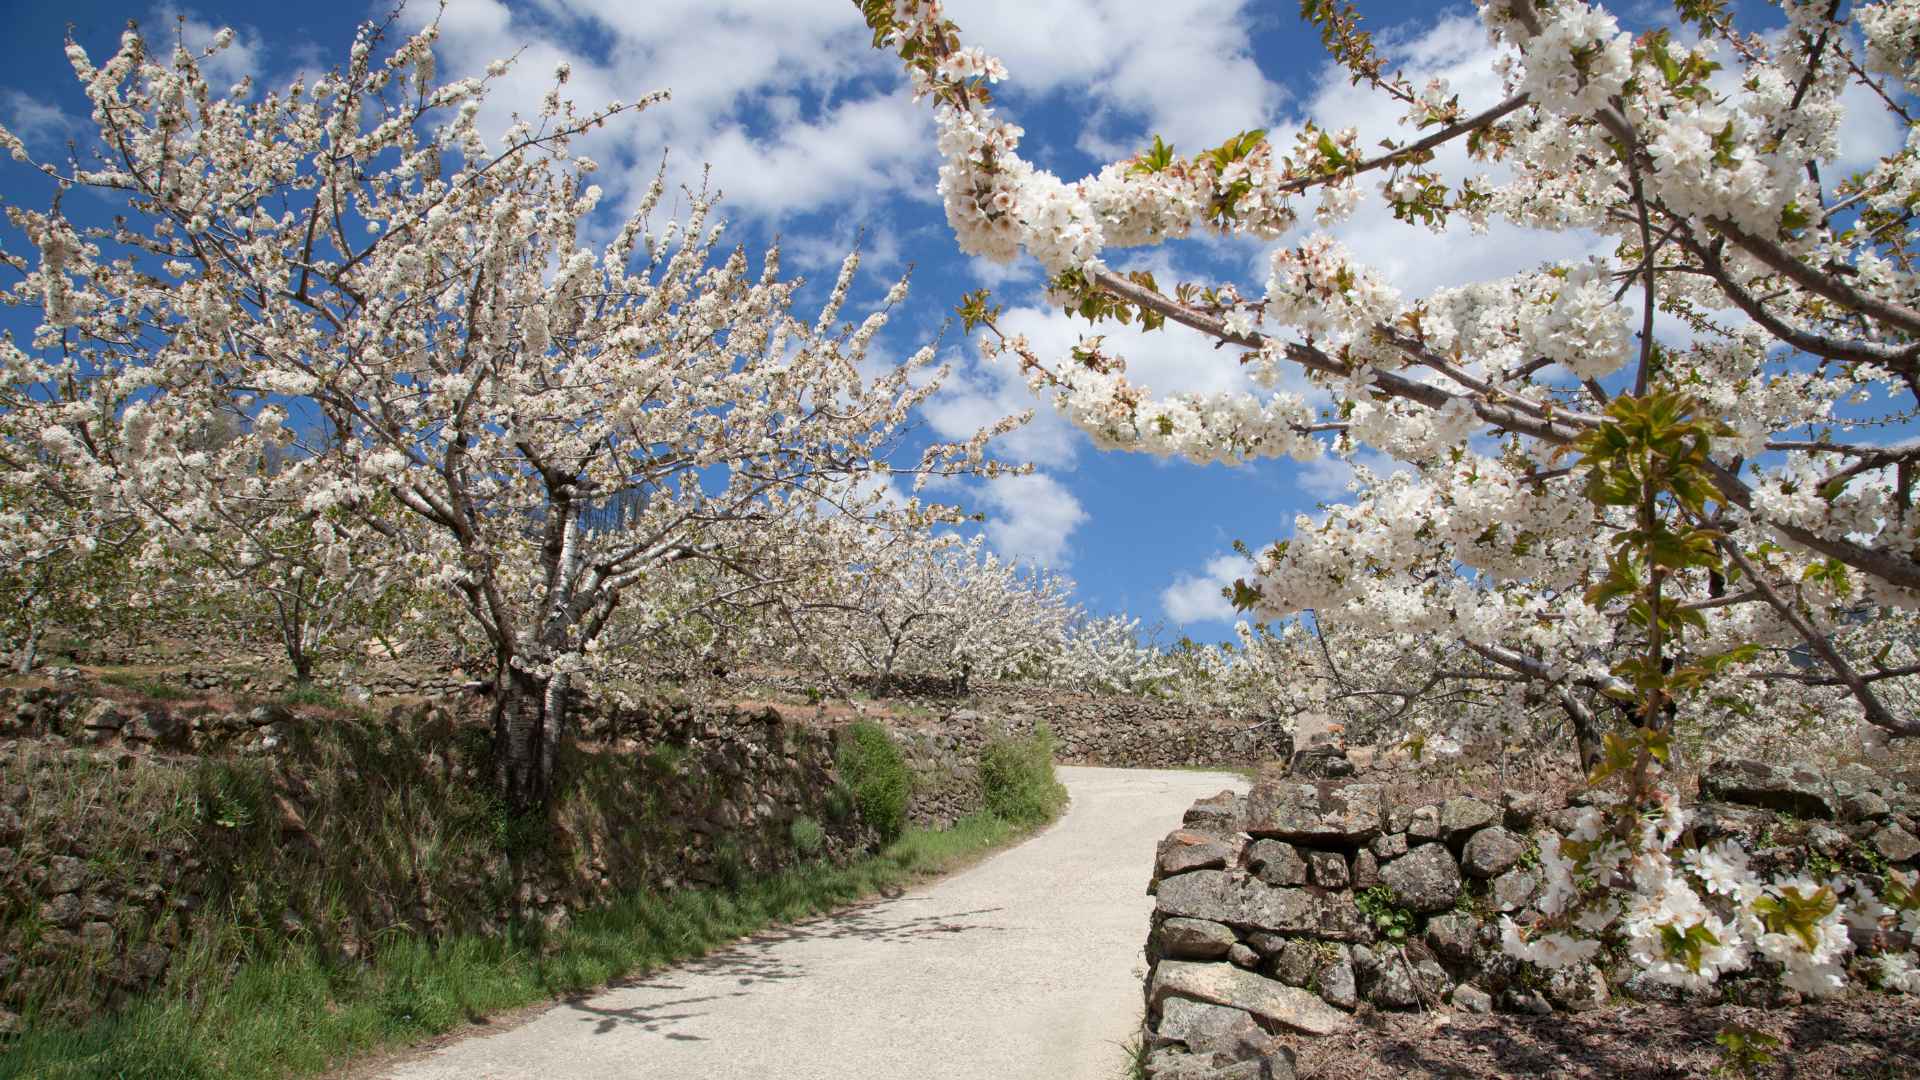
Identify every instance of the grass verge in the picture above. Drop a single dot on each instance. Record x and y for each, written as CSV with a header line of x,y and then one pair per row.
x,y
302,1013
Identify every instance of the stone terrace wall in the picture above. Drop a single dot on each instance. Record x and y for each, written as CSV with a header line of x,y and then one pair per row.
x,y
944,751
130,827
1272,910
1100,729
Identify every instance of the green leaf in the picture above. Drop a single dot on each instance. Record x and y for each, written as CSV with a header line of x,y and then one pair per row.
x,y
1156,158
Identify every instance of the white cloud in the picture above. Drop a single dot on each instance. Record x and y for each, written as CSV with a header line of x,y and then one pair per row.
x,y
171,23
40,125
1183,71
876,144
1171,360
1031,518
977,395
1868,132
1415,259
746,76
1198,598
821,253
743,77
1326,477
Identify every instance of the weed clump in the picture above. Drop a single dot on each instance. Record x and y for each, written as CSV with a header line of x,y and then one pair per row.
x,y
873,769
808,837
1016,775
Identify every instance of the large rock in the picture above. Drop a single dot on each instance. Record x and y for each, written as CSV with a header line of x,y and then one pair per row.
x,y
1277,863
1463,814
1221,813
1213,1029
1237,900
1297,962
161,728
1222,984
1526,809
1513,889
1194,939
1329,869
102,715
1472,999
1895,843
1174,1063
1338,986
1184,850
65,874
1794,789
1451,937
1425,879
1395,985
1491,852
1366,870
1423,823
1321,763
1338,814
1579,988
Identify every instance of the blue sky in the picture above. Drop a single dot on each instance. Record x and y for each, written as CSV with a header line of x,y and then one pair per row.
x,y
813,140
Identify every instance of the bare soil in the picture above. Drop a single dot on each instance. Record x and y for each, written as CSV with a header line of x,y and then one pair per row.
x,y
1866,1037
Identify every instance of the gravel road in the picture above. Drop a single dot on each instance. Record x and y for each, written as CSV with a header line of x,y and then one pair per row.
x,y
1025,966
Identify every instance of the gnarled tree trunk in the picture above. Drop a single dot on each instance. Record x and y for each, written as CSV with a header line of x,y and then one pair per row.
x,y
29,651
529,718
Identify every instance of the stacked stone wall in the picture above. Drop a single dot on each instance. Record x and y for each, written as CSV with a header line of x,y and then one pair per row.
x,y
131,827
1133,732
1283,912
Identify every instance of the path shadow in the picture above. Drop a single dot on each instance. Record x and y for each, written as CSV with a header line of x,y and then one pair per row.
x,y
655,1017
756,961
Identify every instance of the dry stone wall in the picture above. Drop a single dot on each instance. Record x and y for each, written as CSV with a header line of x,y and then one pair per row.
x,y
131,828
944,749
1129,732
1281,913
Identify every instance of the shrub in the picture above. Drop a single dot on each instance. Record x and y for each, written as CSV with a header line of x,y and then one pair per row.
x,y
872,768
1017,777
808,836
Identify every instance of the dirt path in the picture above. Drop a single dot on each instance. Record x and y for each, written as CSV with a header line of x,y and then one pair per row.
x,y
1025,966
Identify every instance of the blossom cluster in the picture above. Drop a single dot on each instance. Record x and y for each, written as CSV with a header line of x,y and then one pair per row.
x,y
1701,165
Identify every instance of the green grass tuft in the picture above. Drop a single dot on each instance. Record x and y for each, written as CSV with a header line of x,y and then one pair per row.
x,y
324,697
808,837
1017,777
873,769
149,686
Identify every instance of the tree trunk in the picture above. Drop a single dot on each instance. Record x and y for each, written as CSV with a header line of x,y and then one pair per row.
x,y
30,651
529,717
301,660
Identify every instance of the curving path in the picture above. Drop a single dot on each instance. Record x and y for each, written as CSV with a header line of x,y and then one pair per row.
x,y
1025,966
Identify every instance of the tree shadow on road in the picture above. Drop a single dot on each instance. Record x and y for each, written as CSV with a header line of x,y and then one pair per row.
x,y
757,961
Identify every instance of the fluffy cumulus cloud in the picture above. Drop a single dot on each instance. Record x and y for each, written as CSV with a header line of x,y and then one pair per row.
x,y
795,110
789,103
1029,518
1199,597
239,60
1167,361
1418,260
1134,64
